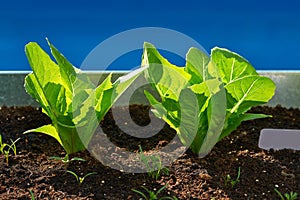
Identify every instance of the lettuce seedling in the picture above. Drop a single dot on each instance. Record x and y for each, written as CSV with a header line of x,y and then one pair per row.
x,y
154,195
68,97
153,164
208,98
81,179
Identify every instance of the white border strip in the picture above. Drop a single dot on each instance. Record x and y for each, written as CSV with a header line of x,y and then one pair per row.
x,y
127,71
86,71
278,71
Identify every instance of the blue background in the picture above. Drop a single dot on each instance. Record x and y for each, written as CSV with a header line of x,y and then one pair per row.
x,y
267,33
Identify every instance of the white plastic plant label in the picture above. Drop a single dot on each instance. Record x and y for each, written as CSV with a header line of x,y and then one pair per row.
x,y
279,139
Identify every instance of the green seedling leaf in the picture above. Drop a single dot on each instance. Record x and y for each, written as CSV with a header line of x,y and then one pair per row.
x,y
108,93
31,195
77,159
169,81
48,130
196,65
287,196
230,65
66,159
236,119
2,145
188,117
167,78
244,88
13,147
250,88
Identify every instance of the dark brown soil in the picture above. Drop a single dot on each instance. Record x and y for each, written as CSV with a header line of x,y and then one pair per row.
x,y
190,177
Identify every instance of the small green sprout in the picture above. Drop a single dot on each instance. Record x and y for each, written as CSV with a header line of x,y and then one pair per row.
x,y
78,178
153,164
153,195
31,195
66,159
5,148
287,196
232,182
2,146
